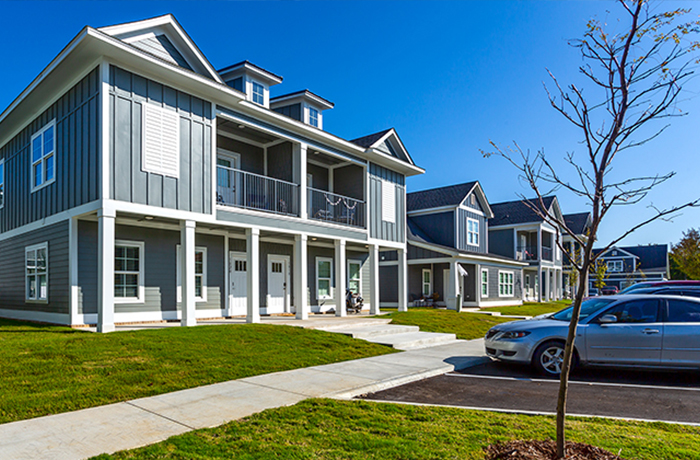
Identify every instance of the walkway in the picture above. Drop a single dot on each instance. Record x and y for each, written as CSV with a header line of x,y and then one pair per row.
x,y
126,425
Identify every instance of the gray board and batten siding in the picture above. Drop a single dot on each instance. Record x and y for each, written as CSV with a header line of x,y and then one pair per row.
x,y
292,111
482,248
12,270
191,191
160,269
377,227
77,161
415,252
161,47
440,227
389,285
501,242
252,157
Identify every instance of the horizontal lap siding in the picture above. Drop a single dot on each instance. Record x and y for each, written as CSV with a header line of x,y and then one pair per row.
x,y
77,115
191,191
378,228
493,282
13,270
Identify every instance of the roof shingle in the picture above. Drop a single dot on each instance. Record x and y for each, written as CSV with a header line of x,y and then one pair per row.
x,y
577,223
517,212
367,141
451,195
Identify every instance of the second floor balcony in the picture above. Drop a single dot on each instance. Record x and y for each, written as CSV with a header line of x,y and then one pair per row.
x,y
246,190
331,207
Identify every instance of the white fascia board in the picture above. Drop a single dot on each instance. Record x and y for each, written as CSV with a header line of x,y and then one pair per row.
x,y
251,69
392,133
524,227
394,163
305,96
426,211
466,257
482,198
629,254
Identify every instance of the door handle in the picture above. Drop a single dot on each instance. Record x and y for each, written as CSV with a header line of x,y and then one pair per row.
x,y
650,331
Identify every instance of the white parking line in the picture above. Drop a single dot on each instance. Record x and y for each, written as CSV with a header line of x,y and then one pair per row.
x,y
528,412
602,384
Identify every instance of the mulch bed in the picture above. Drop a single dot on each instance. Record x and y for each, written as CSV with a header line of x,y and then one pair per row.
x,y
546,450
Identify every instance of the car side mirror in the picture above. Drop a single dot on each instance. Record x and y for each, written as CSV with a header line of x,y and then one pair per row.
x,y
607,319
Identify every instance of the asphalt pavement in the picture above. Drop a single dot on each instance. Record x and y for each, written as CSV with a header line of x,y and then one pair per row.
x,y
642,395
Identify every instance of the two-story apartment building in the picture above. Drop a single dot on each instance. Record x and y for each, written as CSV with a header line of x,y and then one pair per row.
x,y
448,231
627,265
141,184
517,231
579,224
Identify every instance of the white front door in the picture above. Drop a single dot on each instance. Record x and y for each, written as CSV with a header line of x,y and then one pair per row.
x,y
238,279
277,285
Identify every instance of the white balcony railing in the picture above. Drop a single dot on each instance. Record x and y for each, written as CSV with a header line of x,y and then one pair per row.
x,y
242,189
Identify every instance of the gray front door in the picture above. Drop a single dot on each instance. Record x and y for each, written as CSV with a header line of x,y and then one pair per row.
x,y
635,338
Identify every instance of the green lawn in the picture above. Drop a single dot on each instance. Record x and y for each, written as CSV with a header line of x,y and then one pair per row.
x,y
466,325
531,308
327,429
50,369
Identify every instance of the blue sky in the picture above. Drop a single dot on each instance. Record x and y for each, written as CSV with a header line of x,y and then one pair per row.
x,y
449,76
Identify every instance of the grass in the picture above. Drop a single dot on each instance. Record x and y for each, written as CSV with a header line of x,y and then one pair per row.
x,y
466,326
327,429
532,308
51,369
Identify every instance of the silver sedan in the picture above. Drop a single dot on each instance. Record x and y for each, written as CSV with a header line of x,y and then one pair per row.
x,y
661,331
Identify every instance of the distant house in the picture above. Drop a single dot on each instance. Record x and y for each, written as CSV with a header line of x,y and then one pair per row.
x,y
632,264
517,232
580,224
447,237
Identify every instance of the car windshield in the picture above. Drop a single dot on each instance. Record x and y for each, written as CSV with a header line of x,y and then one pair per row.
x,y
634,288
588,307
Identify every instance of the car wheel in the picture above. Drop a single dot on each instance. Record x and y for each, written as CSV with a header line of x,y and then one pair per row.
x,y
549,358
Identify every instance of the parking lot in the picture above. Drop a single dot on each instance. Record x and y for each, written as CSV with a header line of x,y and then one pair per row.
x,y
646,395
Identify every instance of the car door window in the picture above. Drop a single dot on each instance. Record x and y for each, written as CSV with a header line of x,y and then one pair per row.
x,y
636,311
683,311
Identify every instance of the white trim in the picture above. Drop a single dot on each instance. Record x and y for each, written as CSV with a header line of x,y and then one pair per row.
x,y
509,292
500,303
481,283
388,211
359,273
469,232
37,298
106,122
451,252
472,210
330,284
423,283
178,270
42,160
420,212
3,186
160,155
73,280
142,262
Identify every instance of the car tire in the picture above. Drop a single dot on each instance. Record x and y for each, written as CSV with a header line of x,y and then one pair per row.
x,y
549,358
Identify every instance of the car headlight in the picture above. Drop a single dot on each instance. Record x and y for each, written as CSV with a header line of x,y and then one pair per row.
x,y
514,334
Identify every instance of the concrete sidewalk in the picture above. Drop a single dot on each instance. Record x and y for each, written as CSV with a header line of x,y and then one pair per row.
x,y
126,425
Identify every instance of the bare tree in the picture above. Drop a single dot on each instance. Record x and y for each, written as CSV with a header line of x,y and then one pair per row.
x,y
635,76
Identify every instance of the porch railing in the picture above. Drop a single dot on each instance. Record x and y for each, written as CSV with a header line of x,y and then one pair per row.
x,y
526,253
331,207
243,189
547,253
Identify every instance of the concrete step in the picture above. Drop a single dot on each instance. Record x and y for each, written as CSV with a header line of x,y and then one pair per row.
x,y
338,325
414,340
372,331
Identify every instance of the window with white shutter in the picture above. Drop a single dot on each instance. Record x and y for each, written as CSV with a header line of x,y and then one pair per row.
x,y
161,140
388,202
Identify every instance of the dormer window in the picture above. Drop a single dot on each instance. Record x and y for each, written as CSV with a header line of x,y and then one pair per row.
x,y
313,117
258,93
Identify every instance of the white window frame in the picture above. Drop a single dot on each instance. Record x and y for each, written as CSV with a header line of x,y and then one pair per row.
x,y
162,114
203,275
359,274
505,283
2,183
484,282
44,156
429,283
37,298
612,264
330,280
388,201
472,234
318,113
142,262
253,83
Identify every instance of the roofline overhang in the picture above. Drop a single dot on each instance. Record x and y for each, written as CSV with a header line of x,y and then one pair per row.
x,y
304,95
247,66
456,253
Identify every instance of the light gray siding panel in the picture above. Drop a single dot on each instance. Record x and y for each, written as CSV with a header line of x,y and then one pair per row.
x,y
160,47
462,228
77,117
501,242
440,227
12,270
493,283
191,191
378,228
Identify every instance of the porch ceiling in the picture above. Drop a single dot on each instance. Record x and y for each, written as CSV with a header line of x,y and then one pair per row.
x,y
246,132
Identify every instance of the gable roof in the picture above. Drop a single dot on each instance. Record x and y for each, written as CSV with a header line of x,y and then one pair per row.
x,y
369,140
386,143
304,94
578,223
518,212
241,67
650,256
145,34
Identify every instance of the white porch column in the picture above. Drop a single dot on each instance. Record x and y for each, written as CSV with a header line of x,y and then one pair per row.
x,y
453,286
547,285
403,280
374,279
539,285
539,244
187,233
478,284
253,272
105,270
73,269
301,276
340,277
301,156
